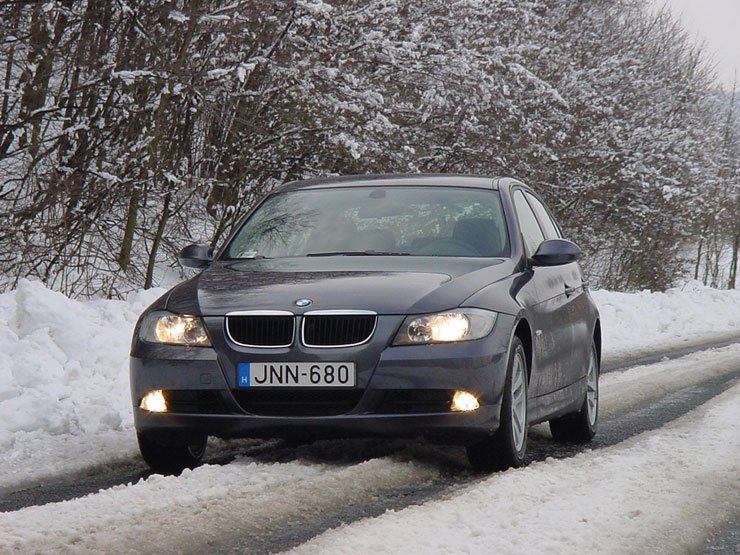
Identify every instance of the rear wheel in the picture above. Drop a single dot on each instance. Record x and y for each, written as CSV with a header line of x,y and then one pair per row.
x,y
508,446
580,427
171,458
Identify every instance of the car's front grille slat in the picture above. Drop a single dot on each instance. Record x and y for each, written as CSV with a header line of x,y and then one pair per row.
x,y
337,330
319,330
298,402
186,401
405,401
261,330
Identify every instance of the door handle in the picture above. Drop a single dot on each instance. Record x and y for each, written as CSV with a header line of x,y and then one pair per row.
x,y
569,290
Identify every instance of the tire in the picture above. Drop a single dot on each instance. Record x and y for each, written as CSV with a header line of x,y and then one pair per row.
x,y
580,426
508,446
171,459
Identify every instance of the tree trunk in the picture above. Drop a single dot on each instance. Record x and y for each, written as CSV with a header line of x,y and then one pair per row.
x,y
698,259
732,283
124,256
157,240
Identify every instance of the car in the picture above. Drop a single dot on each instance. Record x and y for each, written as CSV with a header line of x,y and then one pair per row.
x,y
445,307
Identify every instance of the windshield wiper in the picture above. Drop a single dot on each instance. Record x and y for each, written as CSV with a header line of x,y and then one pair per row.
x,y
254,257
359,253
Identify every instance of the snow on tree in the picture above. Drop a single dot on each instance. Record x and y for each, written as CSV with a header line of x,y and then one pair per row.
x,y
131,128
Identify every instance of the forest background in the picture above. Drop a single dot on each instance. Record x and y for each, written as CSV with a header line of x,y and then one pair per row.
x,y
131,128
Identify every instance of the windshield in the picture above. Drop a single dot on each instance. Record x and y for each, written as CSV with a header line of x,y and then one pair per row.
x,y
364,221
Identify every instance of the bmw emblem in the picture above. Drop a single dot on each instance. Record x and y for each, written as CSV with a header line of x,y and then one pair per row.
x,y
303,302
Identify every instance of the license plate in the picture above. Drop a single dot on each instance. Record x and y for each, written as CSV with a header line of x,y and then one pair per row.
x,y
295,374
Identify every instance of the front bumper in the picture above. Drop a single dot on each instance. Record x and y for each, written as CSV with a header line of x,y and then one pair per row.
x,y
478,367
449,428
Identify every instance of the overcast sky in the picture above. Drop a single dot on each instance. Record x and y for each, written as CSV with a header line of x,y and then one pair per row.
x,y
717,22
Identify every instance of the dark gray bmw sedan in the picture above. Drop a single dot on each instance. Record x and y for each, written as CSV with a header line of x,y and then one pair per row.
x,y
442,306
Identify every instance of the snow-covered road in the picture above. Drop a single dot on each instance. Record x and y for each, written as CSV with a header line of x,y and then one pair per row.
x,y
660,476
250,502
663,491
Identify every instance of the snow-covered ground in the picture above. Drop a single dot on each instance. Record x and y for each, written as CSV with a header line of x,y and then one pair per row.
x,y
658,492
64,389
635,321
64,407
650,494
64,393
242,498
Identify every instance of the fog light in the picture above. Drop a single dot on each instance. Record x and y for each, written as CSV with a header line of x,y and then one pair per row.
x,y
463,401
154,401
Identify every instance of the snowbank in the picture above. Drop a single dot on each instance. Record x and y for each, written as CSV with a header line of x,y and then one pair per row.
x,y
64,363
631,321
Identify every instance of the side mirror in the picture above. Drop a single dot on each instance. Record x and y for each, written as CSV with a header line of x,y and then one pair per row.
x,y
196,256
555,252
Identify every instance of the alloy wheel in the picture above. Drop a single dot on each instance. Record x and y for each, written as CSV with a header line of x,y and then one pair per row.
x,y
592,389
518,401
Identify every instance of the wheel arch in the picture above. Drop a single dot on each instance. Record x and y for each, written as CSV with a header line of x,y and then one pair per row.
x,y
523,331
597,339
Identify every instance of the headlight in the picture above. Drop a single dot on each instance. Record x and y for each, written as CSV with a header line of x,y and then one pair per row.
x,y
174,329
462,324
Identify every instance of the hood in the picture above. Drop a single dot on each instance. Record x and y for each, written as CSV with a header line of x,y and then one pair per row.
x,y
386,285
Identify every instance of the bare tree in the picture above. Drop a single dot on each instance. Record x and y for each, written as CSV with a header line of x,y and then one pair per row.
x,y
129,128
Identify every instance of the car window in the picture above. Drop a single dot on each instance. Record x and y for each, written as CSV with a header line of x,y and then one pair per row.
x,y
422,221
548,225
531,232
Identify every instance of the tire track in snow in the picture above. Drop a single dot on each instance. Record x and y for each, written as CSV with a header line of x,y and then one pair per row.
x,y
661,492
621,421
642,356
168,514
285,515
129,470
48,485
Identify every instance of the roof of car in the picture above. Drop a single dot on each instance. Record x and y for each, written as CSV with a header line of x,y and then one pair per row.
x,y
390,180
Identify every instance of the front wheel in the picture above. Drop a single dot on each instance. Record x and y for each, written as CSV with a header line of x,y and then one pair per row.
x,y
171,458
508,446
580,427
